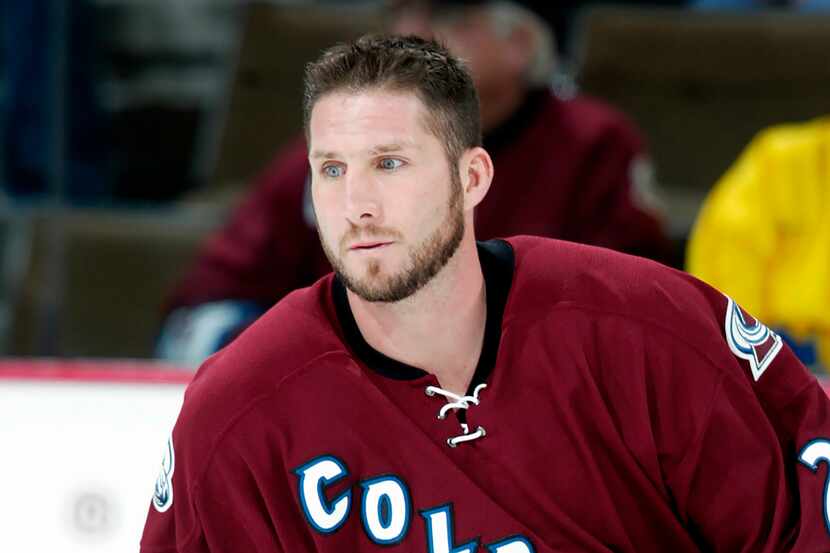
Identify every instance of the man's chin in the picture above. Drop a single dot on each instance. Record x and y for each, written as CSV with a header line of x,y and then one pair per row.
x,y
373,289
375,292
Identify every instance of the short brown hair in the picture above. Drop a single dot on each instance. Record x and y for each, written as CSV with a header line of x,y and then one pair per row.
x,y
402,63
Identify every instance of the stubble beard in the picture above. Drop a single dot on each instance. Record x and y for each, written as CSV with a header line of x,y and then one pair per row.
x,y
425,260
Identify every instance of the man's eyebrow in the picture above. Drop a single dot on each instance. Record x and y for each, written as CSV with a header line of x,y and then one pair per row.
x,y
316,154
374,150
387,148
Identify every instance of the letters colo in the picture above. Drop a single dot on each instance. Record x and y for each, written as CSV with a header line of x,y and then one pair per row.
x,y
385,510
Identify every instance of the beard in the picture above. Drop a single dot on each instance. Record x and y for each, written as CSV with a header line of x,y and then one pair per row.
x,y
426,259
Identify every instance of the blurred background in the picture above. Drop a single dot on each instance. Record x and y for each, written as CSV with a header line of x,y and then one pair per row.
x,y
131,129
153,184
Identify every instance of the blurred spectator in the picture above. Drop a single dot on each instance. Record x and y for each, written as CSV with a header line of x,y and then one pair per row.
x,y
572,169
563,15
54,133
763,235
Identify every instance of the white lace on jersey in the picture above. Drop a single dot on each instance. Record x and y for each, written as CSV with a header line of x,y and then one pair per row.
x,y
458,402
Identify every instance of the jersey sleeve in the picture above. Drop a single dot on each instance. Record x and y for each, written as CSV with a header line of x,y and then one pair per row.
x,y
752,475
172,523
207,497
223,512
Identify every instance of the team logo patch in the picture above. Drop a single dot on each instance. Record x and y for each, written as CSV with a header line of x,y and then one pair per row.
x,y
749,339
163,495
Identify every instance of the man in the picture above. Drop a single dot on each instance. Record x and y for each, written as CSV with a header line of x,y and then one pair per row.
x,y
565,169
510,396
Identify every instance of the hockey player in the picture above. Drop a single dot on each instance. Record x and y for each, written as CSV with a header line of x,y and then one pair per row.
x,y
437,395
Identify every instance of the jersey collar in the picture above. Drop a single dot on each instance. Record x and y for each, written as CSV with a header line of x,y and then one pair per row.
x,y
497,260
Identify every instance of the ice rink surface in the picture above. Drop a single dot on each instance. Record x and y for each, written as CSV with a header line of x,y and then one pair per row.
x,y
81,451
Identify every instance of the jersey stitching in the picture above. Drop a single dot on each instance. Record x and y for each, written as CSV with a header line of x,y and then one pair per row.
x,y
706,420
809,385
648,323
702,355
152,549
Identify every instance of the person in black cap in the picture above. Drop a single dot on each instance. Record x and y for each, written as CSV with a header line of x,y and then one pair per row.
x,y
507,47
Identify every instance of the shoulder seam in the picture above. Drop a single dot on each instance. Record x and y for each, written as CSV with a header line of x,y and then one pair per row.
x,y
151,549
247,409
721,374
706,420
645,323
233,421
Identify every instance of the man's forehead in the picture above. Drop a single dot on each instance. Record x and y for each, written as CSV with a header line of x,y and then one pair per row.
x,y
367,100
373,121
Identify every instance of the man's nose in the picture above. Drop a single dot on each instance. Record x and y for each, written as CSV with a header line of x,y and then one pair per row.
x,y
362,199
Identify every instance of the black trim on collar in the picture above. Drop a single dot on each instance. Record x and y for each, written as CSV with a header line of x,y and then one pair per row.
x,y
373,359
506,133
497,260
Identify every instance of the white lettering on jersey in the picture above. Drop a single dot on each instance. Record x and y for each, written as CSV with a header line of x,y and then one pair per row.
x,y
163,495
314,476
816,452
749,339
386,509
440,533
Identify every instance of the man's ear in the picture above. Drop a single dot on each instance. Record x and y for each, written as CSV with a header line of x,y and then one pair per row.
x,y
476,168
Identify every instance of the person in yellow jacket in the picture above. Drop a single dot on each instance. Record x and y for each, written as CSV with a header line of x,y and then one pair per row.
x,y
763,235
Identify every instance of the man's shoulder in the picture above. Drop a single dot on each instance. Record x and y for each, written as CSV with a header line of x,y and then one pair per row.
x,y
288,338
253,386
555,275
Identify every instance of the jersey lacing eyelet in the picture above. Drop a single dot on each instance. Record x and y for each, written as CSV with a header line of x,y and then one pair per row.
x,y
458,402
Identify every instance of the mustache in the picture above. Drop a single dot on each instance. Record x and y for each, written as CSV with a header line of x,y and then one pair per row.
x,y
368,233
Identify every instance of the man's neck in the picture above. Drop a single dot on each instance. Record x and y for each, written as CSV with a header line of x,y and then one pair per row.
x,y
440,328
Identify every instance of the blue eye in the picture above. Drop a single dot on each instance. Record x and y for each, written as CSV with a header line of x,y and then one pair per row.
x,y
333,171
390,163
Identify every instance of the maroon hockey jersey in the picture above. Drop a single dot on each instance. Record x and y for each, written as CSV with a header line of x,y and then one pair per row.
x,y
564,169
626,407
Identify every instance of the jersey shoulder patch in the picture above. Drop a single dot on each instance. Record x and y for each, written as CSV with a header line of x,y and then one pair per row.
x,y
163,495
750,339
